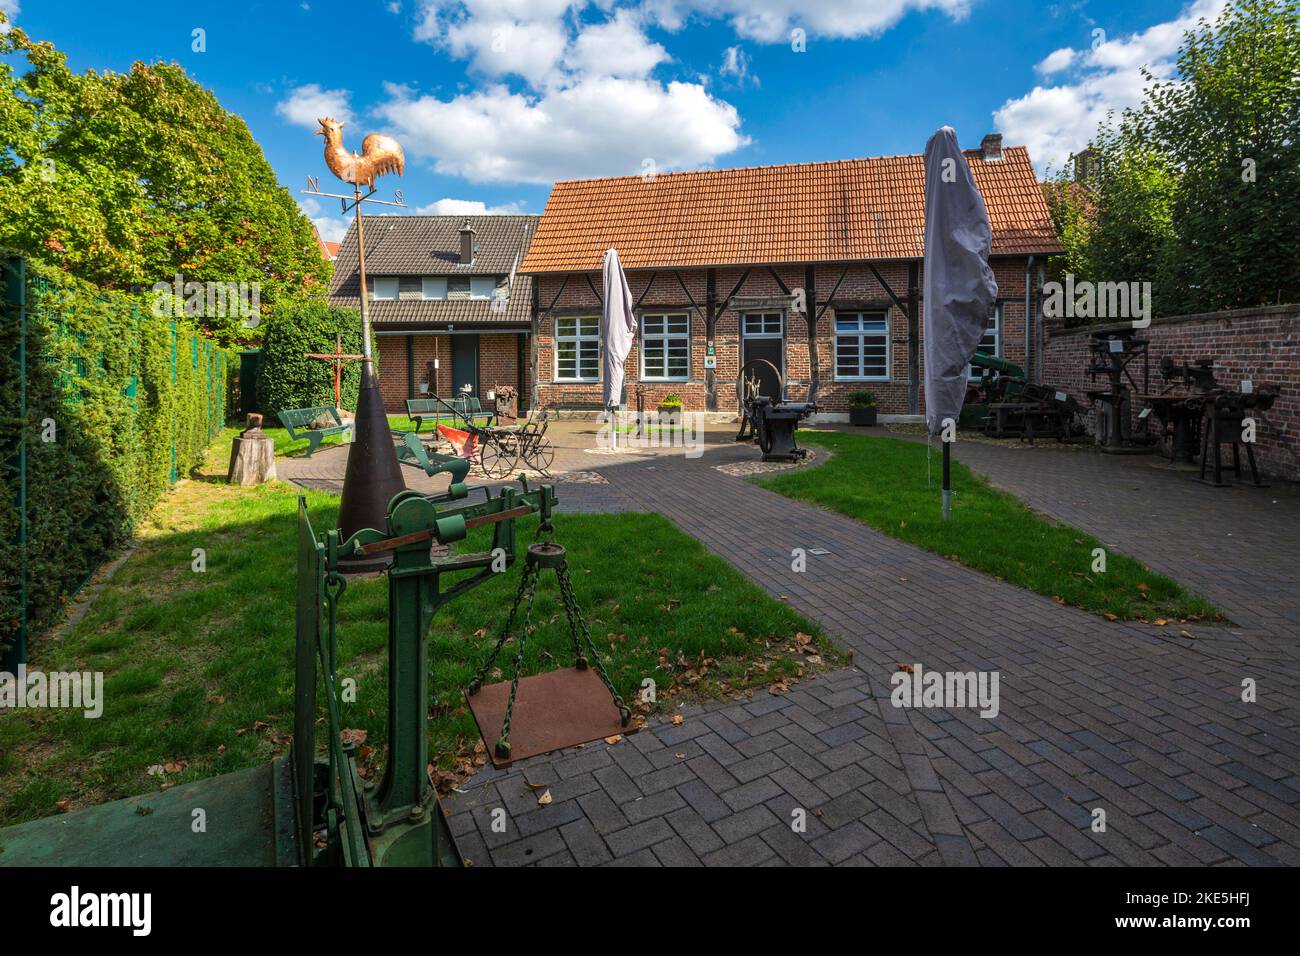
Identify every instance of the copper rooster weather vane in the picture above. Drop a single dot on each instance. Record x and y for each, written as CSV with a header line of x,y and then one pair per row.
x,y
380,155
373,475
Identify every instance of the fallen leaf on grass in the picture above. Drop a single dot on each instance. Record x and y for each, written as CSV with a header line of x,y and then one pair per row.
x,y
352,735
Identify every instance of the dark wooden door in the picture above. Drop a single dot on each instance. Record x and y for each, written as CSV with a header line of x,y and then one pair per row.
x,y
464,364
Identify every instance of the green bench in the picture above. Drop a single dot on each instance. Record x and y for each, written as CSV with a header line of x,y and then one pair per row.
x,y
298,423
463,408
576,402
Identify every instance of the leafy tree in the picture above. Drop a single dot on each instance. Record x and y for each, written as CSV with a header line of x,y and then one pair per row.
x,y
1231,126
128,179
1198,189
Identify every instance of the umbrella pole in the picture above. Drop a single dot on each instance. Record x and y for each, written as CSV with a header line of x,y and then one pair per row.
x,y
947,481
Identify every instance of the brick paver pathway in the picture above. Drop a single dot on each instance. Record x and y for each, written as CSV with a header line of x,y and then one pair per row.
x,y
1136,721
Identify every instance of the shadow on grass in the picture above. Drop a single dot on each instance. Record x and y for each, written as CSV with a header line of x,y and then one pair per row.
x,y
198,665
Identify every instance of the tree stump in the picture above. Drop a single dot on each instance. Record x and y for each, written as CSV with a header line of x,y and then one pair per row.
x,y
252,455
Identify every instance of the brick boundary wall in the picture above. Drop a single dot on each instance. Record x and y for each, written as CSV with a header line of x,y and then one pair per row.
x,y
1261,344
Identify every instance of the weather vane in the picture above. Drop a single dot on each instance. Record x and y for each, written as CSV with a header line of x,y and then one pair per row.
x,y
373,474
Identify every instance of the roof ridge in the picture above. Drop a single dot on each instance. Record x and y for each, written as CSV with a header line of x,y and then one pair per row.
x,y
815,162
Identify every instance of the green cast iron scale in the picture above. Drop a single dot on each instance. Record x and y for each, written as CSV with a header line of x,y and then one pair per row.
x,y
396,822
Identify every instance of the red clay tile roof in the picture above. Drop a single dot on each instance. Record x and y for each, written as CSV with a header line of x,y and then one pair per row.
x,y
847,210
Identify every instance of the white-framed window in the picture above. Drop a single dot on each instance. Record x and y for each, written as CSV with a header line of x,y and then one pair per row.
x,y
990,343
666,347
384,288
433,287
577,348
862,346
766,325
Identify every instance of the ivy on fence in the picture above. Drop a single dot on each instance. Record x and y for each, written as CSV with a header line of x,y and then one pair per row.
x,y
119,403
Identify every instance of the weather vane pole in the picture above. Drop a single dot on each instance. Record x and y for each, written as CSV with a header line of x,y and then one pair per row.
x,y
373,474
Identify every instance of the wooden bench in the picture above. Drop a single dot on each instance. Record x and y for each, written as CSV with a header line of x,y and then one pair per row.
x,y
464,408
298,423
576,402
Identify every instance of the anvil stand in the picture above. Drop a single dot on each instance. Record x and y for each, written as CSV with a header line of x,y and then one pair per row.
x,y
374,475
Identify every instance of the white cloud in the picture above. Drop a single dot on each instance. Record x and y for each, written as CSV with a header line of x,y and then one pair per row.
x,y
331,228
306,104
735,63
1056,61
770,21
526,38
1055,121
467,207
591,106
10,9
617,47
598,126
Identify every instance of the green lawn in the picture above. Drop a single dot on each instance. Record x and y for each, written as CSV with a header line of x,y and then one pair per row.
x,y
882,483
199,666
284,445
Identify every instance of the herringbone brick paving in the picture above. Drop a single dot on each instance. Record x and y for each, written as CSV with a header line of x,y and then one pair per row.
x,y
1140,722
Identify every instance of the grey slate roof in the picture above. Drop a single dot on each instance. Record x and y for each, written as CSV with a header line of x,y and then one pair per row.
x,y
414,246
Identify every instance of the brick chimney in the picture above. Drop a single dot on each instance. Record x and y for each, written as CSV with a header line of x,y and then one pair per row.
x,y
991,147
466,244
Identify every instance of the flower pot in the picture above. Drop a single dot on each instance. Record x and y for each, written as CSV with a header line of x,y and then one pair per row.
x,y
862,416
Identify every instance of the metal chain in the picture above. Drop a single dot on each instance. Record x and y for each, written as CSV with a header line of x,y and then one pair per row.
x,y
577,623
531,572
477,682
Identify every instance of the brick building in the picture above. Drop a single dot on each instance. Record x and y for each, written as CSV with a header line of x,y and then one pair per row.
x,y
815,267
448,304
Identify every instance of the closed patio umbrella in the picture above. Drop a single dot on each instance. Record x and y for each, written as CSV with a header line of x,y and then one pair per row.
x,y
617,327
959,287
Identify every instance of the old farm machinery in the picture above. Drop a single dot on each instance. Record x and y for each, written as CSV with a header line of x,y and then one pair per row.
x,y
1014,407
1115,357
1197,415
769,419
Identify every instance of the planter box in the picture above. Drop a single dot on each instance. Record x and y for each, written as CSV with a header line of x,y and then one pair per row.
x,y
863,416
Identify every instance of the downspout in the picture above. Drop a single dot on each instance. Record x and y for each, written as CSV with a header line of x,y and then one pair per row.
x,y
1031,352
1038,321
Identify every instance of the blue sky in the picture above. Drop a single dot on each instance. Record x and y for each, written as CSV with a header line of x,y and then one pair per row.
x,y
495,99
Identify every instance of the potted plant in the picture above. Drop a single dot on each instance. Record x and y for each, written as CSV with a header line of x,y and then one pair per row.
x,y
862,408
671,404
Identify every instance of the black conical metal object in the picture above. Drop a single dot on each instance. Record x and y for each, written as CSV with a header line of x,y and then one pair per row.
x,y
373,474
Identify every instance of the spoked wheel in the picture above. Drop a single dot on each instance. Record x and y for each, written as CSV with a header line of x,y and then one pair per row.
x,y
540,457
498,458
749,383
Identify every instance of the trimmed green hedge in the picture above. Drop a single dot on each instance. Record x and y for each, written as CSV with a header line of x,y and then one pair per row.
x,y
286,378
130,402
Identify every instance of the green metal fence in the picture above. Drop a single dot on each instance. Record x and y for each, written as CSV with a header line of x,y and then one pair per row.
x,y
101,416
